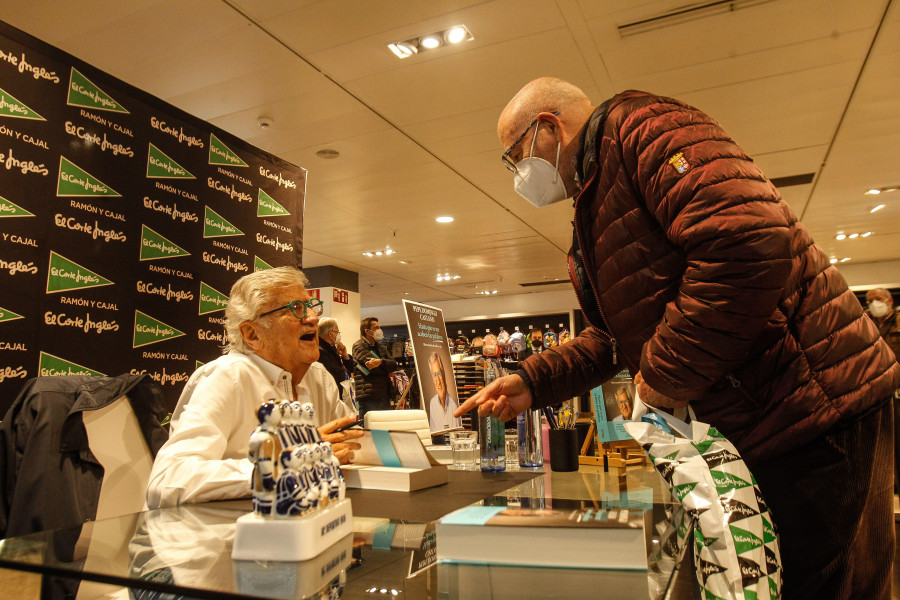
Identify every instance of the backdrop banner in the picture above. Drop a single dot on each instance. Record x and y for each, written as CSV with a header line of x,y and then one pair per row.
x,y
124,221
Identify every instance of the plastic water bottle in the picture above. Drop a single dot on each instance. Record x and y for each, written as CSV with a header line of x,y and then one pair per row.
x,y
528,426
491,433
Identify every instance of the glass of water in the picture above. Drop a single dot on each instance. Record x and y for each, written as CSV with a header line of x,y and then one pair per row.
x,y
462,448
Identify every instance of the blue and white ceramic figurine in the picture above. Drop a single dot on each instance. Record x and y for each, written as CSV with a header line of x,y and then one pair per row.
x,y
263,451
293,496
299,505
330,472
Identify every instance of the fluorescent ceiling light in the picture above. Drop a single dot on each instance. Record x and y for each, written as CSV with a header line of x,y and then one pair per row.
x,y
444,219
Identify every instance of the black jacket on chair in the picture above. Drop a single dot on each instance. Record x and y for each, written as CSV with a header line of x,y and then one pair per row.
x,y
49,478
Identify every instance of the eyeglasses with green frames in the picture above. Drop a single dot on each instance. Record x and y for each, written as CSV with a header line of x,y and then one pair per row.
x,y
300,308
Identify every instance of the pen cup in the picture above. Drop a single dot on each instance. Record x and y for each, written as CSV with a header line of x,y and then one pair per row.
x,y
563,450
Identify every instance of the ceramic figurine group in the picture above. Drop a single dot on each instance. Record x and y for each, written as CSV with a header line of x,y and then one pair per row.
x,y
294,471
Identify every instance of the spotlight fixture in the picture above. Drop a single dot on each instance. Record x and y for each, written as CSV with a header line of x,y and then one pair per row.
x,y
430,41
882,190
386,252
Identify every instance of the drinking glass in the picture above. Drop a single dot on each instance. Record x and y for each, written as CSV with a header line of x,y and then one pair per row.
x,y
462,448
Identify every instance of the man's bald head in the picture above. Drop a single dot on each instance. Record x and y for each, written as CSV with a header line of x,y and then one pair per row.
x,y
546,94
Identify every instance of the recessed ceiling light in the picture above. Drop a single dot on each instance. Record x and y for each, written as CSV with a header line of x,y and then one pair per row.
x,y
430,41
403,49
833,260
454,35
873,192
845,259
840,236
877,208
444,219
328,153
853,236
403,262
867,234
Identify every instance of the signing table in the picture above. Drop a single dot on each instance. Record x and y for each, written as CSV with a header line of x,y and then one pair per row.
x,y
186,551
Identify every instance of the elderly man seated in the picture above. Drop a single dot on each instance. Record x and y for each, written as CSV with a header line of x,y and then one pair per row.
x,y
271,324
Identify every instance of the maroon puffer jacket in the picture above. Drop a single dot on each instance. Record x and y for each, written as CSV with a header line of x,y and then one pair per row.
x,y
707,283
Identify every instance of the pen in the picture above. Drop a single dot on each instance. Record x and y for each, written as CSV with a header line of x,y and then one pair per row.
x,y
356,423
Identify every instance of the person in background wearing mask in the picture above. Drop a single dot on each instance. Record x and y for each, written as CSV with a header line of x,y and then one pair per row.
x,y
333,354
373,369
880,307
697,277
535,343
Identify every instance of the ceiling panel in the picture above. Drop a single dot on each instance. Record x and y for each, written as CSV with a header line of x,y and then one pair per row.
x,y
792,80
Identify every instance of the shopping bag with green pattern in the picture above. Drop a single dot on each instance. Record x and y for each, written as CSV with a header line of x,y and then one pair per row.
x,y
735,544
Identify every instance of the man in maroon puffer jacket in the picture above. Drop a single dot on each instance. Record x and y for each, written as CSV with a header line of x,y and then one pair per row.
x,y
696,276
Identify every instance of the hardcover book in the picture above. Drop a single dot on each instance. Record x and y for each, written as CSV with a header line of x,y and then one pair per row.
x,y
394,461
559,536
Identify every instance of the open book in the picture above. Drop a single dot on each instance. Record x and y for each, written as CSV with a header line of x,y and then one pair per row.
x,y
392,460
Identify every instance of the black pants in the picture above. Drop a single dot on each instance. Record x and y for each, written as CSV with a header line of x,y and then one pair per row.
x,y
832,504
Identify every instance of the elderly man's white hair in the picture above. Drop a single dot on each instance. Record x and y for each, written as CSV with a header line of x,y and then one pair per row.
x,y
250,293
326,325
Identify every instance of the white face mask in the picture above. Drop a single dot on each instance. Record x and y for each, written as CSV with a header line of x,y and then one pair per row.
x,y
878,309
378,335
537,180
337,338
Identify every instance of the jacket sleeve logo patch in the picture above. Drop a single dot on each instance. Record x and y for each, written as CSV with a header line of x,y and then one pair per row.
x,y
680,163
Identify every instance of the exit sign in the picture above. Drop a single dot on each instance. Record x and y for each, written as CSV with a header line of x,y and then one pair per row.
x,y
314,293
341,296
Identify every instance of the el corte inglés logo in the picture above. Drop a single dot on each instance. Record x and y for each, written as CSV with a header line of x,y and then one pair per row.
x,y
155,246
198,364
211,300
8,209
260,265
744,540
83,92
10,106
220,154
148,330
267,207
53,366
8,315
214,225
725,482
161,166
64,275
75,181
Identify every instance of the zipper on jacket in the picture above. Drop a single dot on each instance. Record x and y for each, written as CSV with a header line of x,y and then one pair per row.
x,y
588,273
734,381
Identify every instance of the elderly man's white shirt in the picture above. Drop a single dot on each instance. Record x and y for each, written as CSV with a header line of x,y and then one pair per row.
x,y
205,457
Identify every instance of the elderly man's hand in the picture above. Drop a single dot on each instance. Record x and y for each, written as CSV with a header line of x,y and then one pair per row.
x,y
341,448
504,398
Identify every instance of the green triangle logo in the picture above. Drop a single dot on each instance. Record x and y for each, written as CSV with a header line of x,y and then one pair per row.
x,y
8,315
83,92
267,207
161,166
220,154
214,225
148,330
702,540
672,456
10,106
260,265
703,446
768,531
744,540
713,432
198,364
211,300
680,491
51,366
64,275
774,592
75,181
155,246
726,482
749,594
8,209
